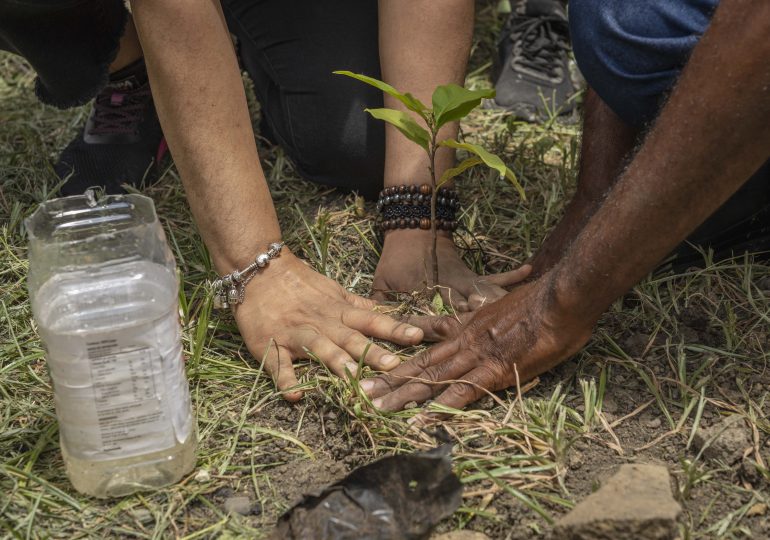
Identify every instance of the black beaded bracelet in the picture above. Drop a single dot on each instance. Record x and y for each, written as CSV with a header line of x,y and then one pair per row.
x,y
408,207
417,195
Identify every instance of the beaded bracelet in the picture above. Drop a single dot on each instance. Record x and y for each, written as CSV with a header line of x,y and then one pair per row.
x,y
417,195
408,207
230,289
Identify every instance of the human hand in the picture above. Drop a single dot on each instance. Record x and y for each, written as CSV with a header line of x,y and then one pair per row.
x,y
405,266
508,342
291,310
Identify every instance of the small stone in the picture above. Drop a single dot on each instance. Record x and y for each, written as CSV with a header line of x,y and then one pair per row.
x,y
143,516
758,509
725,441
238,505
749,472
655,423
461,535
575,460
202,476
634,503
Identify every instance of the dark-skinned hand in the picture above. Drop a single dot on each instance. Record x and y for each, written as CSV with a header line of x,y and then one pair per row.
x,y
405,266
523,334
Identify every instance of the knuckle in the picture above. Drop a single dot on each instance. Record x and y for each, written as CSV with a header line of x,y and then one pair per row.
x,y
463,392
350,339
424,360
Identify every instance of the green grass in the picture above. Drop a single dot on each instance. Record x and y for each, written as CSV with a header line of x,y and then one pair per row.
x,y
680,348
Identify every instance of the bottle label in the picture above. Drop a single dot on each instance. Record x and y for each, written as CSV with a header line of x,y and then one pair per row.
x,y
117,396
126,397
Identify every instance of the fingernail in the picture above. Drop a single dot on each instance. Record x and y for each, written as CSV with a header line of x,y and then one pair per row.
x,y
377,403
412,332
352,367
367,385
390,360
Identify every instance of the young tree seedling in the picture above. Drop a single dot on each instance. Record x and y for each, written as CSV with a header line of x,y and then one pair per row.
x,y
450,103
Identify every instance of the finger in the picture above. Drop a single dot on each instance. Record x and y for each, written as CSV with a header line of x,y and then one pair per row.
x,y
329,354
484,293
379,296
476,301
359,301
277,362
374,324
379,291
453,298
438,328
474,385
358,346
506,279
428,383
389,382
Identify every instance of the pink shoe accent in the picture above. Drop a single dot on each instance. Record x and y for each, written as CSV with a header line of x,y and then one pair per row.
x,y
162,151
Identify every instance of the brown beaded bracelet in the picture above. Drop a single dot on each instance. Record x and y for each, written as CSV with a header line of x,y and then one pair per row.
x,y
413,223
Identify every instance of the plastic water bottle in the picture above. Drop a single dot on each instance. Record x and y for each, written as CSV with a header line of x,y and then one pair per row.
x,y
104,287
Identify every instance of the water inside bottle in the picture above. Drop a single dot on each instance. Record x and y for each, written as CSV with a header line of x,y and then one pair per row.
x,y
114,353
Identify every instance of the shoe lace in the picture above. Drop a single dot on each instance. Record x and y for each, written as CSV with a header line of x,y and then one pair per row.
x,y
538,45
118,110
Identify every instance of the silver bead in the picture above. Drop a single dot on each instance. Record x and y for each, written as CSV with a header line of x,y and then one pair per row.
x,y
232,296
276,246
236,276
263,259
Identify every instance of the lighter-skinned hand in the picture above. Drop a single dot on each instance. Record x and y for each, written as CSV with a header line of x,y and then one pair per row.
x,y
291,310
519,336
405,266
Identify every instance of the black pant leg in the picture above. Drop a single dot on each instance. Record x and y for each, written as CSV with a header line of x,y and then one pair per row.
x,y
290,48
70,44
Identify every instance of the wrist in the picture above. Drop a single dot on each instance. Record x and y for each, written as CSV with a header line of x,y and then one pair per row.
x,y
415,235
573,297
229,290
228,258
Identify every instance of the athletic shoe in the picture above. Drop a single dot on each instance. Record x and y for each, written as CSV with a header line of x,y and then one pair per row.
x,y
121,140
534,60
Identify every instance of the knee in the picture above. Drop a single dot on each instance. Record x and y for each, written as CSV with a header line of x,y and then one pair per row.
x,y
632,52
341,144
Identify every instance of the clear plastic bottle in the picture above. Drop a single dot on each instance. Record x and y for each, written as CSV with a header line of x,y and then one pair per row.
x,y
103,286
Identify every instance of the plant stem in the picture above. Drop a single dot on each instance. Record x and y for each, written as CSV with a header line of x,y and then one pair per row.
x,y
433,199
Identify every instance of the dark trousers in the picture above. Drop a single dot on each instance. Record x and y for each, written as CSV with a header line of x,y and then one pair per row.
x,y
631,54
288,47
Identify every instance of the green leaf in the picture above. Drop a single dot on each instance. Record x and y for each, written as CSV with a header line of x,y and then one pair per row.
x,y
452,102
491,161
461,168
404,123
438,304
409,101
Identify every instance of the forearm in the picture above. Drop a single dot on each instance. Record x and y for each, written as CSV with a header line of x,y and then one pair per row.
x,y
709,138
201,103
423,44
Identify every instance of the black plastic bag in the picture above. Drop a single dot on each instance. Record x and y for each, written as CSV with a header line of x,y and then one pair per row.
x,y
397,497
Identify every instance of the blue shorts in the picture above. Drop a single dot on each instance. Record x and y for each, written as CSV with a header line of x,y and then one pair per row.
x,y
632,51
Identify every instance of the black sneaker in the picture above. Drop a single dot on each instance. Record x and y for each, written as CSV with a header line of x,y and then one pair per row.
x,y
534,60
121,140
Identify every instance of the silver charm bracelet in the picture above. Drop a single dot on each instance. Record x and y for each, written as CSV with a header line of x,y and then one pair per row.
x,y
230,290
